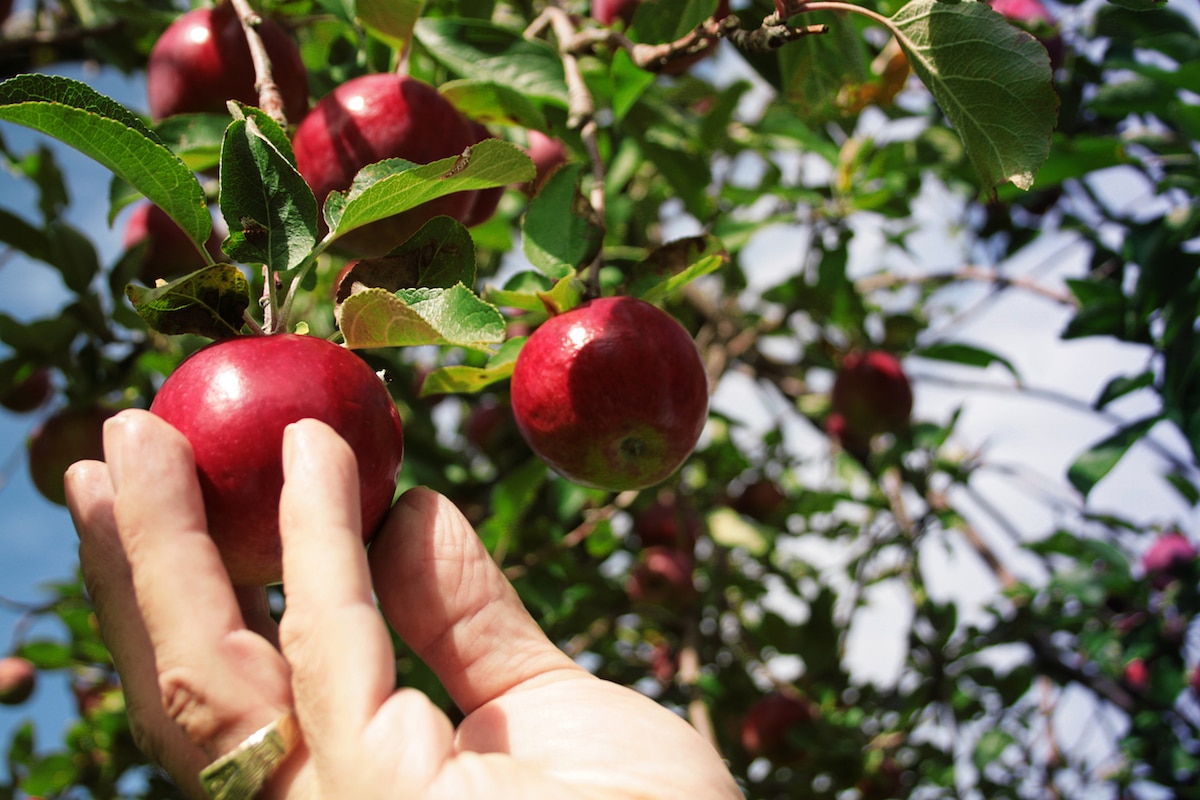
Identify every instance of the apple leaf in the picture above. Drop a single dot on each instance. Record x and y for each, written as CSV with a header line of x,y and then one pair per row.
x,y
674,265
486,52
534,293
195,138
210,302
562,232
667,20
488,101
992,80
1090,467
965,354
390,21
390,187
817,70
453,316
269,208
112,135
459,379
439,255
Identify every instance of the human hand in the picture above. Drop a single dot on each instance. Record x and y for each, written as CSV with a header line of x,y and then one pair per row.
x,y
203,666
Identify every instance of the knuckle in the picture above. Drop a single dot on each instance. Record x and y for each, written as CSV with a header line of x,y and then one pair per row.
x,y
187,704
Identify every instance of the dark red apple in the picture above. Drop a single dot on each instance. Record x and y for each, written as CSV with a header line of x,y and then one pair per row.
x,y
18,678
662,576
761,500
375,117
1167,558
871,395
233,399
669,521
768,724
202,60
169,251
547,154
612,394
485,201
29,392
69,435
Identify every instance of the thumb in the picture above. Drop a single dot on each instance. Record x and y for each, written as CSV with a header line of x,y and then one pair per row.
x,y
449,601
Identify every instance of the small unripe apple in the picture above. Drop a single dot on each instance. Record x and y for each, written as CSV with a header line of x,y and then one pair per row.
x,y
768,724
169,251
548,154
871,394
662,576
202,60
69,435
1167,558
18,678
375,117
30,392
669,521
234,398
612,394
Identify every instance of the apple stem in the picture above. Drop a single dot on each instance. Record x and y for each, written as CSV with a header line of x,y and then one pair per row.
x,y
270,100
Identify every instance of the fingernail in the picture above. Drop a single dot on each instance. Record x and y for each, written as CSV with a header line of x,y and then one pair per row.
x,y
114,437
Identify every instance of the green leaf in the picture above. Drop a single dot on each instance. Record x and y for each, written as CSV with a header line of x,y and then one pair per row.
x,y
195,138
454,316
390,187
390,21
210,302
965,354
439,255
817,70
269,208
675,264
730,529
512,496
1122,385
460,379
487,52
656,21
1089,468
562,232
46,653
992,80
488,101
107,132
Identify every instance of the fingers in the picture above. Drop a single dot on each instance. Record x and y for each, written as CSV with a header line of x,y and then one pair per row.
x,y
343,667
109,582
448,600
218,680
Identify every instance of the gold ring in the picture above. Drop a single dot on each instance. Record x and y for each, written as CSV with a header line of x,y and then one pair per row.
x,y
242,772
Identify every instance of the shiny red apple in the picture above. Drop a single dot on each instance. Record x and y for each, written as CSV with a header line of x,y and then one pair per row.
x,y
169,252
18,678
871,395
71,434
233,399
375,117
612,394
202,60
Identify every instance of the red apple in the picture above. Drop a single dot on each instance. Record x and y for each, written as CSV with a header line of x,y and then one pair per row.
x,y
233,399
1137,675
375,117
202,60
1167,558
768,724
489,426
69,435
761,500
547,154
668,522
169,251
485,201
871,395
29,392
612,394
662,576
18,678
1034,17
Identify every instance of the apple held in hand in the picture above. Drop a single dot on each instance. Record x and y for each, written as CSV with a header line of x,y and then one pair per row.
x,y
202,61
612,394
233,400
375,117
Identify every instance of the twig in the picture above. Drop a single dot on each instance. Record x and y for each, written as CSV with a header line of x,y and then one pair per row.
x,y
269,98
889,280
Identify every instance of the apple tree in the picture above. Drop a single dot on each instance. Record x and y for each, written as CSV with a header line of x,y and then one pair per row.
x,y
816,194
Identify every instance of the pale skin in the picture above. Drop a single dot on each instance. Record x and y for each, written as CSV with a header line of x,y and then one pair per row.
x,y
203,665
